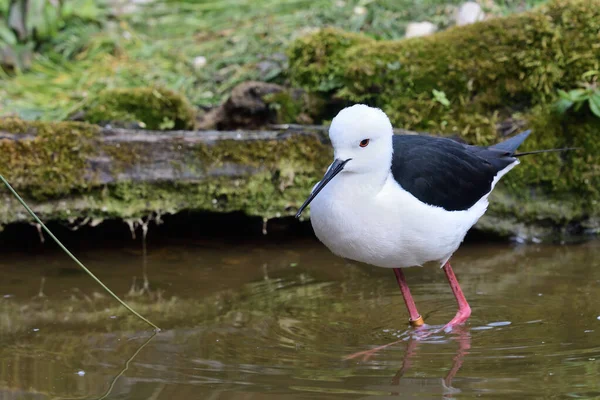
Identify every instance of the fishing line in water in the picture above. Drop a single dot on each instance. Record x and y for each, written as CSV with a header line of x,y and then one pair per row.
x,y
30,211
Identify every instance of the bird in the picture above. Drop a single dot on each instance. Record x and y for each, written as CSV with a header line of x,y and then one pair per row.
x,y
400,201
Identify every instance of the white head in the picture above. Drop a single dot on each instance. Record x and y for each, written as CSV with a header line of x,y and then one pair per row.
x,y
362,135
362,143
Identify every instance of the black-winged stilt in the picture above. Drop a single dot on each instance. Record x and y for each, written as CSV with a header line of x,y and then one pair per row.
x,y
398,201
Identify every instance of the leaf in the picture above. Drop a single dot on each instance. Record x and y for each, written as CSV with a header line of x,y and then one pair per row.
x,y
6,34
34,20
440,97
577,95
595,109
564,94
4,7
53,19
562,105
43,18
595,103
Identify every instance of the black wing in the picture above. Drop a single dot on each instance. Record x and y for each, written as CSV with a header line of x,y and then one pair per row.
x,y
444,173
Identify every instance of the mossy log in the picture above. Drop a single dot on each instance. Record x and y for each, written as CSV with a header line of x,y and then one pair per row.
x,y
70,170
73,171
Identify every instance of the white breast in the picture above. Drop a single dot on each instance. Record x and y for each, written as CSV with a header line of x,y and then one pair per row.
x,y
388,228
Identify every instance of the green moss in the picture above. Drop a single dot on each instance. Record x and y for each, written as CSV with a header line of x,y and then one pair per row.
x,y
504,72
51,164
273,175
291,107
517,60
316,61
569,174
155,108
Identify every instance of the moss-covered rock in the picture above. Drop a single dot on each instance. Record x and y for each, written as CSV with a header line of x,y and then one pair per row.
x,y
498,76
152,107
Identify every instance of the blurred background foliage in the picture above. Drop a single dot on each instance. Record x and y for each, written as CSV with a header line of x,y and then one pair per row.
x,y
27,25
55,54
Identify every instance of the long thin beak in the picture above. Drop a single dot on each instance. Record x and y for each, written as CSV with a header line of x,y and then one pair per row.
x,y
336,167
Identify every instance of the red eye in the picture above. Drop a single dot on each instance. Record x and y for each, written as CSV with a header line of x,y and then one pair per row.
x,y
364,142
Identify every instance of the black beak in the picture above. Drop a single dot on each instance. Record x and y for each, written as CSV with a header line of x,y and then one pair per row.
x,y
336,167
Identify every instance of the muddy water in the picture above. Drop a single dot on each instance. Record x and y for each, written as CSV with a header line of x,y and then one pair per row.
x,y
277,320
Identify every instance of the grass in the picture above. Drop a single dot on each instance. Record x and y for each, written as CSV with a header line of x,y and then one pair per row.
x,y
239,40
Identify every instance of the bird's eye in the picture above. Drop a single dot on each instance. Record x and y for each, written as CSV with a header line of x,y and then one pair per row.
x,y
364,142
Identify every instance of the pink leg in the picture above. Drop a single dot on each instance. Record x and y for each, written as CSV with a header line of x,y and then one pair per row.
x,y
415,317
464,310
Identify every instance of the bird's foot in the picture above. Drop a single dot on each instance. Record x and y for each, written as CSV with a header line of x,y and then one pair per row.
x,y
461,317
424,332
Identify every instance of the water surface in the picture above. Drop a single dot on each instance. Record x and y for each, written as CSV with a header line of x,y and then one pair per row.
x,y
268,320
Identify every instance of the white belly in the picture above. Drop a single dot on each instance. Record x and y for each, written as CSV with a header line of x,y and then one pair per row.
x,y
390,229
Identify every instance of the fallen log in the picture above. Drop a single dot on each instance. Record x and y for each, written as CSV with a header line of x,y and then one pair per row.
x,y
73,172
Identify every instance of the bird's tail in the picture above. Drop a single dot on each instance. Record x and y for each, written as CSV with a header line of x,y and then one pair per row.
x,y
511,145
545,151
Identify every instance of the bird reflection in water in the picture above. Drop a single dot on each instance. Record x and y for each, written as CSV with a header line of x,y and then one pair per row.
x,y
407,387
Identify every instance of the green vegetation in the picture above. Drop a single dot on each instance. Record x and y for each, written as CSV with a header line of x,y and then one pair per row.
x,y
152,108
27,25
198,48
496,76
589,92
296,106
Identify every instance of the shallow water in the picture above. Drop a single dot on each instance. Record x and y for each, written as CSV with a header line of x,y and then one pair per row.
x,y
269,320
